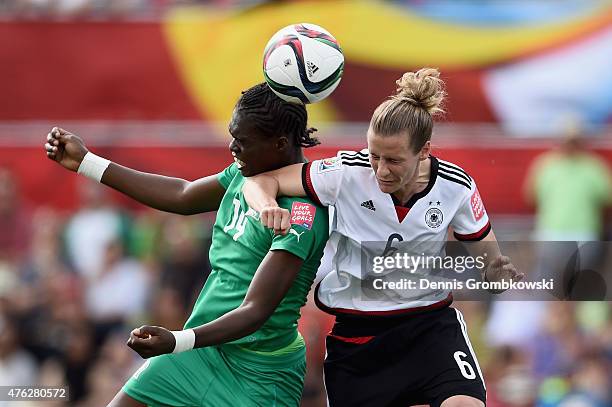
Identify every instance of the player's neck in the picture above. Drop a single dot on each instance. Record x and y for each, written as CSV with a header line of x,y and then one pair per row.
x,y
296,157
417,184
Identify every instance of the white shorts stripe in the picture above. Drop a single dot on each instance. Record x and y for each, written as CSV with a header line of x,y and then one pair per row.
x,y
469,344
324,386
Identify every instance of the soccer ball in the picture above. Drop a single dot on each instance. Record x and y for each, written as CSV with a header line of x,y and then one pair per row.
x,y
303,63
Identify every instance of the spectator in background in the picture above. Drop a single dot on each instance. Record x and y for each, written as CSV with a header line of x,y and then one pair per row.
x,y
46,287
88,234
558,344
78,355
17,368
118,293
590,383
43,262
570,187
14,217
109,371
510,382
184,258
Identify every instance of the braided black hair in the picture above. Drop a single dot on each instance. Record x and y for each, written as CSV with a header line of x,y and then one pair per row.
x,y
272,115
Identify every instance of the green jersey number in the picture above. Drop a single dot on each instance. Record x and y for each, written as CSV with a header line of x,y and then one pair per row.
x,y
238,220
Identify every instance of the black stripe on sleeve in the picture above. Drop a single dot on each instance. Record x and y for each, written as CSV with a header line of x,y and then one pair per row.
x,y
454,167
354,159
450,170
355,156
356,164
474,237
453,179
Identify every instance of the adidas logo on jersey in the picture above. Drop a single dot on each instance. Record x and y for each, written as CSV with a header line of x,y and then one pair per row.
x,y
368,205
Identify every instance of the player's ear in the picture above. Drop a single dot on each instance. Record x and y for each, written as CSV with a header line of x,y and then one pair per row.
x,y
282,143
425,151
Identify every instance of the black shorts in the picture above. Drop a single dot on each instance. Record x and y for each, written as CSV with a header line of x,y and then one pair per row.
x,y
401,361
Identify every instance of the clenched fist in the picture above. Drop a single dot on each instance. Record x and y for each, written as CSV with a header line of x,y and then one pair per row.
x,y
65,148
149,341
276,218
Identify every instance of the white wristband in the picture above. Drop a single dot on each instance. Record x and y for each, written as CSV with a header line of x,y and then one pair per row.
x,y
93,166
184,340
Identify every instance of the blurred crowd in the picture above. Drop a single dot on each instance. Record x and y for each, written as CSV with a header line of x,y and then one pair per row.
x,y
104,9
73,284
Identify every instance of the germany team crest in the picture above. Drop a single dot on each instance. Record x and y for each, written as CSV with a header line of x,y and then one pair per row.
x,y
434,217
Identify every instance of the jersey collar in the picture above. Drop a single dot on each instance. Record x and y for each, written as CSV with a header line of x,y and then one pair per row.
x,y
432,180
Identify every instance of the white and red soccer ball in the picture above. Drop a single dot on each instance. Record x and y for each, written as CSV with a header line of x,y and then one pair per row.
x,y
303,63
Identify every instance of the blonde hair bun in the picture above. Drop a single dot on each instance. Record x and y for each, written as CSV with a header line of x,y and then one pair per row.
x,y
423,88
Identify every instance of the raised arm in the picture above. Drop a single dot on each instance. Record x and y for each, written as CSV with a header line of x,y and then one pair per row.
x,y
261,190
157,191
271,282
497,266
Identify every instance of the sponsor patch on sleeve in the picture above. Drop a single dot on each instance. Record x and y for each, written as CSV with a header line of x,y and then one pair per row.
x,y
329,164
303,214
477,206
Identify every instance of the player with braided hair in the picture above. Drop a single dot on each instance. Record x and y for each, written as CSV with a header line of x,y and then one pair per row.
x,y
270,116
240,346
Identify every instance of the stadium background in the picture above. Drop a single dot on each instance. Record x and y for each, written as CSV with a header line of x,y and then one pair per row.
x,y
151,84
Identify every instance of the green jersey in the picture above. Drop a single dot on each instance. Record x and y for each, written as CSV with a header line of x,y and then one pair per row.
x,y
240,243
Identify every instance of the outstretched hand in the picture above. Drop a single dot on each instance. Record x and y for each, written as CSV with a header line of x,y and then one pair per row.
x,y
65,148
501,268
149,341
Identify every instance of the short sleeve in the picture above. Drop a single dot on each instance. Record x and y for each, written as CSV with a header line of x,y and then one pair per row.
x,y
309,229
322,179
226,176
471,222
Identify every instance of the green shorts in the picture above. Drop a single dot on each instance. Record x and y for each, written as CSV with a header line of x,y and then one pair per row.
x,y
218,377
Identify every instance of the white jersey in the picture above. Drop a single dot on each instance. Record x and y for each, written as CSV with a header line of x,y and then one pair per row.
x,y
363,213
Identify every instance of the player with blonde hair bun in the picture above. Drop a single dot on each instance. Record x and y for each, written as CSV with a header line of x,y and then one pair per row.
x,y
385,350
